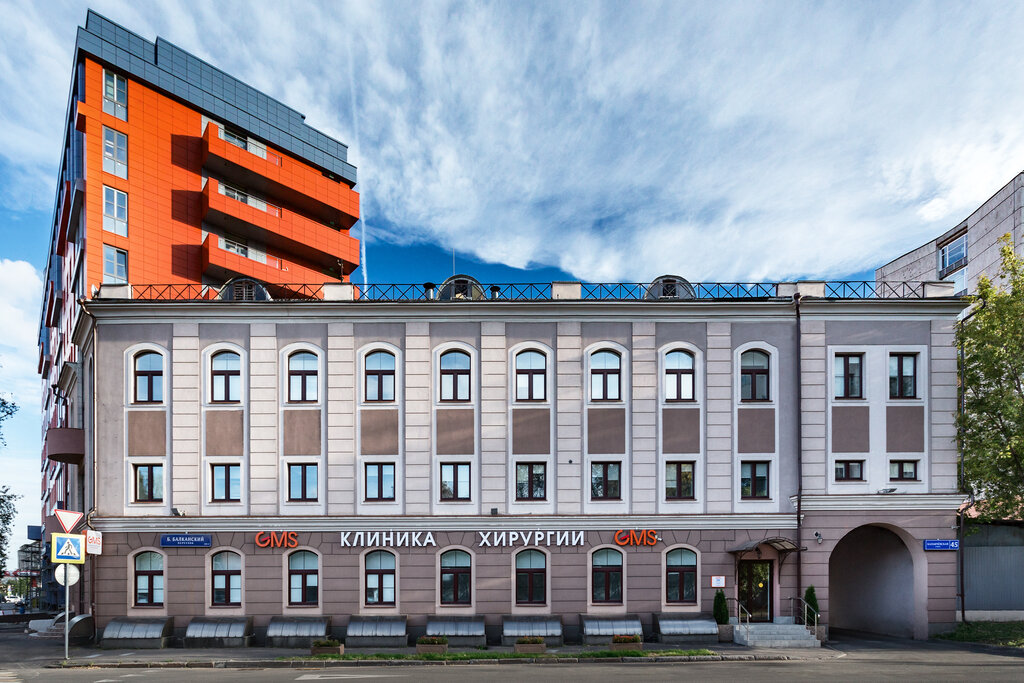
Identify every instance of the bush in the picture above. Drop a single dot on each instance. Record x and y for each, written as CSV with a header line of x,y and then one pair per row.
x,y
327,642
631,638
529,640
811,599
432,640
721,608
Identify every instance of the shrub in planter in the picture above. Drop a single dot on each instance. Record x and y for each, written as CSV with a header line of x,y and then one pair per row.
x,y
327,646
721,608
530,645
627,642
811,599
432,645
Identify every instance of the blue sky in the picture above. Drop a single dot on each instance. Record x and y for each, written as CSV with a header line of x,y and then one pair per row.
x,y
598,141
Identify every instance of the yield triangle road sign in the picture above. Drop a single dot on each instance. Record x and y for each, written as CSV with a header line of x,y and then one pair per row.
x,y
68,519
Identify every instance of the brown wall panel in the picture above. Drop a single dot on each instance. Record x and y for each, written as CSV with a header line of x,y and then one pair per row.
x,y
224,433
455,432
147,432
755,430
904,429
378,433
680,430
301,432
606,431
851,429
531,431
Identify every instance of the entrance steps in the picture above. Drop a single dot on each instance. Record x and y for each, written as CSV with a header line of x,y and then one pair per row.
x,y
775,635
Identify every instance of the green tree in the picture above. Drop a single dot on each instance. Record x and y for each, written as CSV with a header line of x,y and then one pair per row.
x,y
7,498
991,425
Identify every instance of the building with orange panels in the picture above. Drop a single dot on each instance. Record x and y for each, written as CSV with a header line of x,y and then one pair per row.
x,y
173,173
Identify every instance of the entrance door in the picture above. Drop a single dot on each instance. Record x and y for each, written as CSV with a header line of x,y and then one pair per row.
x,y
755,588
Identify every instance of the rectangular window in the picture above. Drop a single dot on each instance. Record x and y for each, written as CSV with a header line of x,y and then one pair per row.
x,y
530,481
237,138
302,483
849,470
115,95
227,483
149,483
455,481
605,480
903,470
959,280
679,481
953,252
380,481
754,479
903,375
115,211
234,246
115,152
848,375
115,265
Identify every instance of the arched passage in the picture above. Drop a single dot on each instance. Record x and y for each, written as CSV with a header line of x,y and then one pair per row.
x,y
871,583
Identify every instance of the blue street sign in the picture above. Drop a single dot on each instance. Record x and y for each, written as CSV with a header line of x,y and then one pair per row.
x,y
941,544
186,540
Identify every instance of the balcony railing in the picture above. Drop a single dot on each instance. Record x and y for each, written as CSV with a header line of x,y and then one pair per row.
x,y
574,291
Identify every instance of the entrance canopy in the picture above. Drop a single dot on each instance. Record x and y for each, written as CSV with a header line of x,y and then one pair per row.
x,y
782,545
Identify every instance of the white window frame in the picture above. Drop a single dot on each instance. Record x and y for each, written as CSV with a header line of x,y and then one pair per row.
x,y
111,164
113,106
212,610
114,279
111,223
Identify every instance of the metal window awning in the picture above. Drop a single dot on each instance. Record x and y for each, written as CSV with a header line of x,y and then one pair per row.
x,y
784,546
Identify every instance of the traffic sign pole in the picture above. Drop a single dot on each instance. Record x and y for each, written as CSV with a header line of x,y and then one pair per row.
x,y
67,593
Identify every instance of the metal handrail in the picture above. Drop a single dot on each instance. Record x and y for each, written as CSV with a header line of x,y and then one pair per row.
x,y
740,611
806,608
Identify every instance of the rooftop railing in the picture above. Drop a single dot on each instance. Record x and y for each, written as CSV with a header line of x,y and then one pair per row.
x,y
253,291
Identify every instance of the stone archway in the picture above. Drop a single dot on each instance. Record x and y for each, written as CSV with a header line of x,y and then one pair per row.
x,y
873,584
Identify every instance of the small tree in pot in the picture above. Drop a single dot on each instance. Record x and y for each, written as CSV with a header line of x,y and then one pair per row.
x,y
721,613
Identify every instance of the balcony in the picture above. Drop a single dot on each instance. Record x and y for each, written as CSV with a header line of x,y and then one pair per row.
x,y
281,230
275,175
65,444
225,264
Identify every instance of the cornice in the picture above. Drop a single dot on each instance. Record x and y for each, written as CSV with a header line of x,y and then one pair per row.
x,y
947,502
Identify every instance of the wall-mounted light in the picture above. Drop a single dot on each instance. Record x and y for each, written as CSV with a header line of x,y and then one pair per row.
x,y
818,538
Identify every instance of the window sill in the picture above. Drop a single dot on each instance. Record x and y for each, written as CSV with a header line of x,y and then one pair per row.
x,y
689,499
531,500
606,500
303,606
378,500
755,499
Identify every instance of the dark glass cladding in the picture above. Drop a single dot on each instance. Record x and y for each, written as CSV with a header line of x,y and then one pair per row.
x,y
209,89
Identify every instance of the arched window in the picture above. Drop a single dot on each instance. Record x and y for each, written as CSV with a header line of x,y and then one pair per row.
x,y
149,377
681,576
226,573
380,376
302,377
754,382
149,580
606,575
531,578
380,578
531,375
303,578
605,374
455,376
226,377
678,376
456,578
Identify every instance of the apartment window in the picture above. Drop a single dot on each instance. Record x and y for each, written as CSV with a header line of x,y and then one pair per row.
x,y
903,470
380,481
226,377
456,578
302,376
115,152
678,376
606,576
681,576
953,252
679,481
455,376
149,377
849,470
380,578
302,483
530,482
149,580
531,376
380,377
848,375
455,481
604,480
115,211
303,578
149,483
227,483
959,280
531,578
903,375
754,381
115,95
235,193
605,376
754,479
226,573
234,246
115,265
237,138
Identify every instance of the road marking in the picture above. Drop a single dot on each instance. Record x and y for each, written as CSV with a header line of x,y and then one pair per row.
x,y
339,676
9,677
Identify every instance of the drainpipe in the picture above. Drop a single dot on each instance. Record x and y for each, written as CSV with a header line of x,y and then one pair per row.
x,y
799,452
961,408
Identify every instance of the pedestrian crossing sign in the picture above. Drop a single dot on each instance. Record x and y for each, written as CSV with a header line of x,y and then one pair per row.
x,y
68,548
